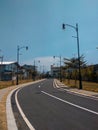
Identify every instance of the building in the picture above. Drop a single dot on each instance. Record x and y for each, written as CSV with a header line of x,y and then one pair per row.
x,y
55,71
29,71
8,71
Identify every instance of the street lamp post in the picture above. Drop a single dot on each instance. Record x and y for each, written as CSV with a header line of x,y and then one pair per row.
x,y
35,68
18,49
59,69
1,57
76,28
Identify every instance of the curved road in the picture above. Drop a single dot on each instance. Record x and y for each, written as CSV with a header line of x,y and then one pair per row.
x,y
42,106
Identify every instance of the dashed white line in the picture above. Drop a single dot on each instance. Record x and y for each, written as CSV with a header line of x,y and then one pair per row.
x,y
83,108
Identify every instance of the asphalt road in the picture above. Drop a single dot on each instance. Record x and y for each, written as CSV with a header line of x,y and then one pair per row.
x,y
45,107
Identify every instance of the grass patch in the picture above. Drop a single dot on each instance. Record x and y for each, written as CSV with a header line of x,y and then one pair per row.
x,y
3,121
5,84
89,86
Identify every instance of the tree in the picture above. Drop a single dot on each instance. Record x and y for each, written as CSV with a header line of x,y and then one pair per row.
x,y
72,66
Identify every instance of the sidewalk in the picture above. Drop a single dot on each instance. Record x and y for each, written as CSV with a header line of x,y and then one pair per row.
x,y
3,96
77,91
4,91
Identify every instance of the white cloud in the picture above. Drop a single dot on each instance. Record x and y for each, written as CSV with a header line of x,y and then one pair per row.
x,y
44,64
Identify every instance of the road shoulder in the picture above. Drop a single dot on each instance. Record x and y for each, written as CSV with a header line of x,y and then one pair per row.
x,y
82,92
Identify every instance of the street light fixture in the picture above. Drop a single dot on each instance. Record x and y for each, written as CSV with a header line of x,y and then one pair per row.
x,y
18,49
76,28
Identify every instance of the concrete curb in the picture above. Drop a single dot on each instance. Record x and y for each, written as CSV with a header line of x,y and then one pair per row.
x,y
11,123
79,92
10,116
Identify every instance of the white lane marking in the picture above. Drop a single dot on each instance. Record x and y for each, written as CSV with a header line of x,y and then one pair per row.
x,y
76,93
39,86
79,94
82,95
54,84
11,123
83,108
22,114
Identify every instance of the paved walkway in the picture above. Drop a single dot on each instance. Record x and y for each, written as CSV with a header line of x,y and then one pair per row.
x,y
4,91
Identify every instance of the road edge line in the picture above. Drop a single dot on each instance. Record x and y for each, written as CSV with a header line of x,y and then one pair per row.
x,y
11,123
77,93
22,113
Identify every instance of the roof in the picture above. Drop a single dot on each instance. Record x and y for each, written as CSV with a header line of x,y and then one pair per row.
x,y
8,62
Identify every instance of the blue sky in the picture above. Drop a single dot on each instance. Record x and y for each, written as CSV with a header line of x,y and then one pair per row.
x,y
37,24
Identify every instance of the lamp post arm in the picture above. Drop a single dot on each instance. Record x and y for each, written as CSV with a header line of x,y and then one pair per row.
x,y
71,26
